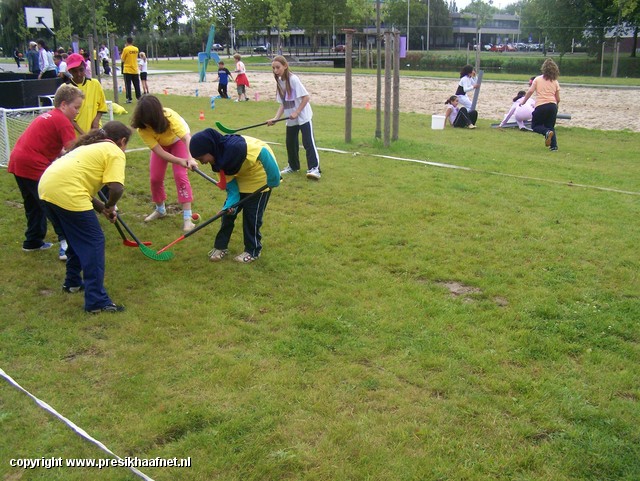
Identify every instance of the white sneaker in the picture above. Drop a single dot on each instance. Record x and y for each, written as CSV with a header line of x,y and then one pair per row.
x,y
287,170
154,215
187,226
216,255
62,253
245,258
314,174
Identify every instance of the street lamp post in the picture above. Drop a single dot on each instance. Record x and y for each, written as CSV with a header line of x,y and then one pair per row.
x,y
334,29
232,35
408,5
428,21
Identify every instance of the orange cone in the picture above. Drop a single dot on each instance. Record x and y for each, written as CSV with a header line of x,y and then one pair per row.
x,y
201,115
367,106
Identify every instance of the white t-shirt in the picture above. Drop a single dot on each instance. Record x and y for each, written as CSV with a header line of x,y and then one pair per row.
x,y
294,99
142,65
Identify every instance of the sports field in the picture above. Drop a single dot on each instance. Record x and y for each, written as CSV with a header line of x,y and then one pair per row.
x,y
463,305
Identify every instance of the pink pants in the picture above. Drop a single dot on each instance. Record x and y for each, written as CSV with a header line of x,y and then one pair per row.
x,y
158,169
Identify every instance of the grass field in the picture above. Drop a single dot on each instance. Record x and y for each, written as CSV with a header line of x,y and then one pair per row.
x,y
405,321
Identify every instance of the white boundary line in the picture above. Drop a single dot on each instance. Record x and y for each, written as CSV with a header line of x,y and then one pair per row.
x,y
459,167
469,169
81,432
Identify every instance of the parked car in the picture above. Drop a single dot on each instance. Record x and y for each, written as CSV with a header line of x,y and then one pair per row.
x,y
340,49
260,49
217,47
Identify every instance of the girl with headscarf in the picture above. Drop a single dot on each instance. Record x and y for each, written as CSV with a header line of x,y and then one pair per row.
x,y
245,164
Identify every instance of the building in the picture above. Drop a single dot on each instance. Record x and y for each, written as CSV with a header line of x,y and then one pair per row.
x,y
501,29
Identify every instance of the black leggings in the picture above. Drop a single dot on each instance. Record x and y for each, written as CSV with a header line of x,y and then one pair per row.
x,y
465,118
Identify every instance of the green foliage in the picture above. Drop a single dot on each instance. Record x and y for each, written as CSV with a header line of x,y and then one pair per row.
x,y
517,64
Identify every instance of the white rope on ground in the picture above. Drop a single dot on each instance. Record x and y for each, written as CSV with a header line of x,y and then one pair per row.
x,y
459,167
81,432
469,169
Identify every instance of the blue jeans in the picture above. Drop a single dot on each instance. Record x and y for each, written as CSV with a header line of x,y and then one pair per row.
x,y
85,254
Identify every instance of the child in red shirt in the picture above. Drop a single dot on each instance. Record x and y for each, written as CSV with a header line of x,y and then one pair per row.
x,y
44,140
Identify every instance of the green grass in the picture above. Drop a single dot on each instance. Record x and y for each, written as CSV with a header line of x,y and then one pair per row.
x,y
343,353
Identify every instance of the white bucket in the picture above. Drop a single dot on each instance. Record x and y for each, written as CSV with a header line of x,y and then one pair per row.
x,y
437,122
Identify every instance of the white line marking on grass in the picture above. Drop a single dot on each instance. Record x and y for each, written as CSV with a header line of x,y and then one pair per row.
x,y
468,169
69,423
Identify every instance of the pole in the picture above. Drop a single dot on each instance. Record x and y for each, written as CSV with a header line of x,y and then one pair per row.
x,y
387,88
428,21
378,73
396,85
408,5
114,72
348,87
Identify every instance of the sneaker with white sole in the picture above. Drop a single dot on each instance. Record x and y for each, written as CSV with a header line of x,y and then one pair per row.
x,y
287,170
156,214
43,247
314,174
72,289
108,308
216,255
62,253
245,258
187,225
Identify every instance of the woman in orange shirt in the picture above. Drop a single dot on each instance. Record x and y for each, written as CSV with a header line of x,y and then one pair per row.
x,y
547,90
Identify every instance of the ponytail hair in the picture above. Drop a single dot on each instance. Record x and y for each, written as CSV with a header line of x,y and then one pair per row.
x,y
113,130
451,99
521,94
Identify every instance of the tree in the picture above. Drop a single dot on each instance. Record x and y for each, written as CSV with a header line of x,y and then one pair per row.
x,y
482,12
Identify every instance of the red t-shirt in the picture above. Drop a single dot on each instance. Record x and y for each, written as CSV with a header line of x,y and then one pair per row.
x,y
40,144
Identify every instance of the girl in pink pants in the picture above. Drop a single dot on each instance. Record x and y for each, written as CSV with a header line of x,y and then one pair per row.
x,y
168,136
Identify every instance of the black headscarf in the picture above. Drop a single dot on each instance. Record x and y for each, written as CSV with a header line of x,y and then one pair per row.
x,y
229,151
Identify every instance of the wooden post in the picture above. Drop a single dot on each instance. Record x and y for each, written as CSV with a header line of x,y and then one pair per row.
x,y
396,85
114,72
387,88
348,87
378,72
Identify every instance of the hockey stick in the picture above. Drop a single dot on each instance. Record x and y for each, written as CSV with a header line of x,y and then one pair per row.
x,y
125,241
227,130
212,219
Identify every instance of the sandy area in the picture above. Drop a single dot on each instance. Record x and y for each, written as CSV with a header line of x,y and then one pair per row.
x,y
590,107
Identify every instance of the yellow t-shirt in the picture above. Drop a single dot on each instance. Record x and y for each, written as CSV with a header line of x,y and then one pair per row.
x,y
94,102
129,57
178,128
251,175
75,178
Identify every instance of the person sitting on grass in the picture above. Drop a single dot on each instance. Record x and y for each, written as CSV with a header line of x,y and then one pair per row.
x,y
247,164
68,188
44,140
460,116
